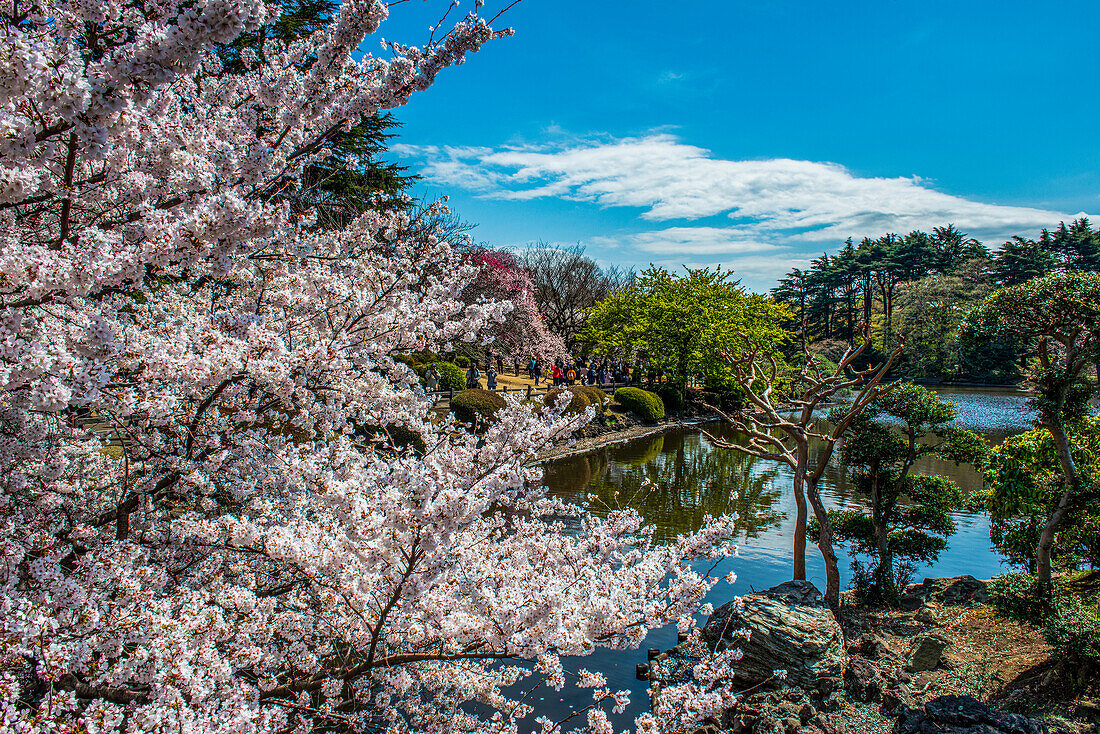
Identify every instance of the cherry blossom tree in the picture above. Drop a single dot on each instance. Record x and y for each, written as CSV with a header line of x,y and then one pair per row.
x,y
524,333
201,530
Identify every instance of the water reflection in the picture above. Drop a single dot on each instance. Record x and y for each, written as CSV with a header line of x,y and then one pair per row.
x,y
674,480
693,478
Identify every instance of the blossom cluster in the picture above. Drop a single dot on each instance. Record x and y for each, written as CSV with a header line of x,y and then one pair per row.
x,y
212,518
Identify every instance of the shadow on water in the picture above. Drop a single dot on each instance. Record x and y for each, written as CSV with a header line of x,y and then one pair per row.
x,y
694,478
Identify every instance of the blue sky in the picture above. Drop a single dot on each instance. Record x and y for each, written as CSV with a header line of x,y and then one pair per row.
x,y
758,135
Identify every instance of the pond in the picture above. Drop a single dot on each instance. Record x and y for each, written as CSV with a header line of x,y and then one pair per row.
x,y
695,478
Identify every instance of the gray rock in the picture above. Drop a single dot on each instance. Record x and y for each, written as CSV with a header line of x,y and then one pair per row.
x,y
792,628
863,680
831,723
925,652
925,615
954,591
896,699
869,646
963,715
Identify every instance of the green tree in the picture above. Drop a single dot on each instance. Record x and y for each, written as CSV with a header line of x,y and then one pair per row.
x,y
1024,483
930,310
1077,246
682,324
1059,317
909,513
1020,260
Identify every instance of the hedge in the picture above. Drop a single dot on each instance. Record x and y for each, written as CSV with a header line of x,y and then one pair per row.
x,y
476,404
577,404
672,396
642,403
451,376
595,396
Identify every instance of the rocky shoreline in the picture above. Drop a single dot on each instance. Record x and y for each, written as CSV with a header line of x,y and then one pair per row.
x,y
917,669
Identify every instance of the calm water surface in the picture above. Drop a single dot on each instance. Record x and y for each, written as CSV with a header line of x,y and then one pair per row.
x,y
695,478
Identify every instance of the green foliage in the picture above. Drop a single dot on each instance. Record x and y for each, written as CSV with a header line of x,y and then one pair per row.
x,y
910,514
682,324
922,285
1024,481
642,403
451,376
595,395
578,403
1021,598
671,395
1073,630
1057,316
476,405
462,361
1069,623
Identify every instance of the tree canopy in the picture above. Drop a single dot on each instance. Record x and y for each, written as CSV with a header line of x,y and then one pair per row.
x,y
683,324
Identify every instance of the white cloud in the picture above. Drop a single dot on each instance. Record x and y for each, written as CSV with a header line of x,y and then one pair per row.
x,y
688,241
771,199
780,211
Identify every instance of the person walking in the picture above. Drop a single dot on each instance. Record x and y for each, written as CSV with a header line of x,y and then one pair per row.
x,y
531,367
432,378
536,372
571,375
559,376
473,377
490,378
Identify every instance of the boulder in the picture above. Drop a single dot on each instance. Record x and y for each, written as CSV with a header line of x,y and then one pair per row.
x,y
863,681
954,591
792,628
963,715
925,652
870,646
785,712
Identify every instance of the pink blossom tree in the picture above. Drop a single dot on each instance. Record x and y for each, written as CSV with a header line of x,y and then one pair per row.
x,y
524,333
196,533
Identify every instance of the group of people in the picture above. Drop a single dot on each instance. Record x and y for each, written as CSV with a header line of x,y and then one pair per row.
x,y
562,372
579,371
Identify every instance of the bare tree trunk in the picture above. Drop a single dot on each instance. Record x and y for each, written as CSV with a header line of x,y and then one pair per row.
x,y
825,545
1062,448
799,526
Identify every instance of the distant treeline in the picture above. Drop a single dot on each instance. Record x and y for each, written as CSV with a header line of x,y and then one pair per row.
x,y
919,286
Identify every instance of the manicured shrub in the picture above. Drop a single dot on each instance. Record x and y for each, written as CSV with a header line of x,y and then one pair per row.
x,y
426,357
595,396
672,396
463,362
577,404
1020,597
475,405
407,359
642,403
451,376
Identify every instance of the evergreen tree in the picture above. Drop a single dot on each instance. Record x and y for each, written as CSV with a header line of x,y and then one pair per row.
x,y
1020,260
351,177
909,513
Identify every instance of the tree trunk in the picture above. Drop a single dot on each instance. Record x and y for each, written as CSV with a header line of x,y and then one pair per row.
x,y
799,527
1062,448
885,562
825,545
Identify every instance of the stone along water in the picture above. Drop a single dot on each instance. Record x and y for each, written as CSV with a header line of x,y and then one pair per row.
x,y
693,478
